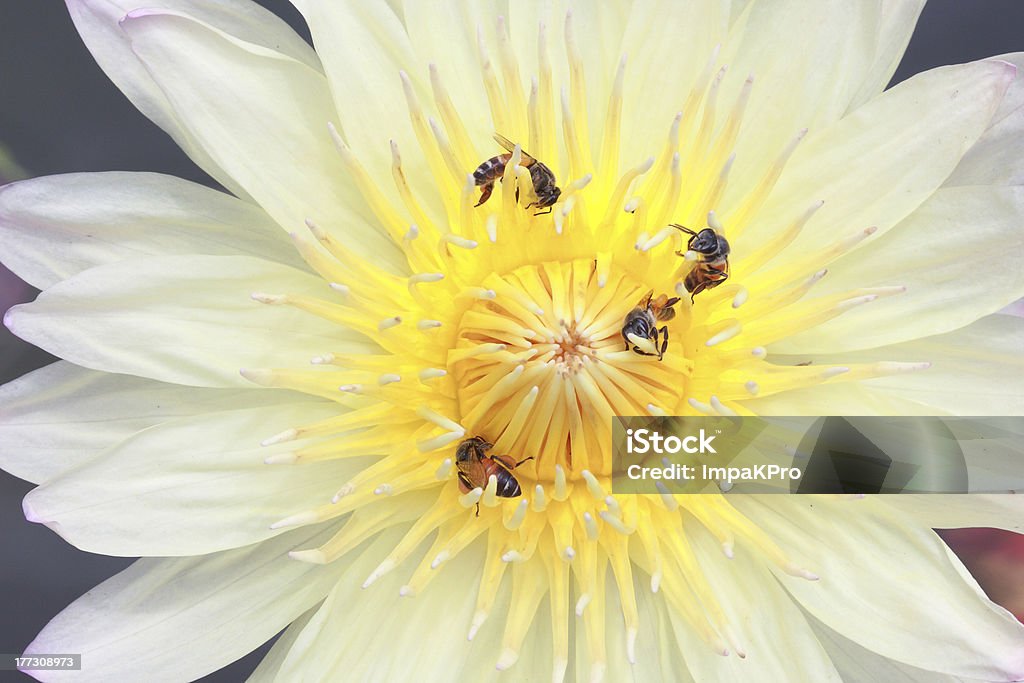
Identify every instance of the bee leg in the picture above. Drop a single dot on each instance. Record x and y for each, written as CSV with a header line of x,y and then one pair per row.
x,y
664,342
485,192
523,460
697,290
542,213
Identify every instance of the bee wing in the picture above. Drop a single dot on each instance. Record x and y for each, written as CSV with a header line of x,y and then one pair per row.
x,y
667,312
646,301
474,471
527,160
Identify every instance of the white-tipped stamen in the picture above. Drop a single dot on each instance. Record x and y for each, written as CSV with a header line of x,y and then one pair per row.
x,y
382,569
444,470
280,437
470,499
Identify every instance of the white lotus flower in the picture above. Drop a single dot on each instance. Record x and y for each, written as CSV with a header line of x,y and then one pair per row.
x,y
440,320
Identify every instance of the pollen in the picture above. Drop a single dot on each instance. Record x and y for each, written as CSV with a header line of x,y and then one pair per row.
x,y
508,326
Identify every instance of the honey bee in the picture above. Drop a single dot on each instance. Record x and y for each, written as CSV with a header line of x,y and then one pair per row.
x,y
475,469
493,169
712,268
643,320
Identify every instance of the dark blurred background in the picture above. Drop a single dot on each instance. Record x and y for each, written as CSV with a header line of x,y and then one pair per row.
x,y
59,114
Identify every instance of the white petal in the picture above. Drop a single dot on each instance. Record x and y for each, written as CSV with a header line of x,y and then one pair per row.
x,y
181,319
880,162
959,257
176,619
976,370
364,47
890,585
896,22
444,33
998,157
58,417
598,29
667,45
659,657
937,511
97,22
54,227
270,665
195,485
774,634
805,82
356,630
262,115
1014,98
849,398
856,663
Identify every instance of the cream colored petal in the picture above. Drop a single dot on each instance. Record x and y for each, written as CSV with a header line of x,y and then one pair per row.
x,y
364,47
97,22
597,28
959,257
850,398
191,486
896,22
961,511
54,227
807,59
998,156
659,657
976,370
60,416
356,632
890,585
262,116
778,642
667,45
176,619
181,319
879,163
1014,98
444,33
270,666
858,664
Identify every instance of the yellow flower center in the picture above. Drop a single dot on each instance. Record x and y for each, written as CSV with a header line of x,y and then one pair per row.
x,y
542,366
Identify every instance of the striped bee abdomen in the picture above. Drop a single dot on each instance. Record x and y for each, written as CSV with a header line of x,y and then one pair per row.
x,y
508,486
490,170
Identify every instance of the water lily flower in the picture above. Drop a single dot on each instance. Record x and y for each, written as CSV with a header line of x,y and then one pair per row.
x,y
874,235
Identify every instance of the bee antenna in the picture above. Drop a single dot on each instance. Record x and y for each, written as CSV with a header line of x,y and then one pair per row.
x,y
682,228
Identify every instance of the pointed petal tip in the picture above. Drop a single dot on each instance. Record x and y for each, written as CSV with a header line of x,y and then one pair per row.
x,y
9,318
29,511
